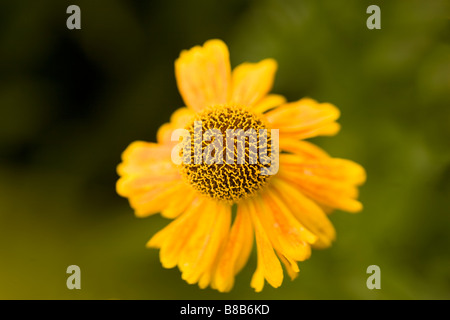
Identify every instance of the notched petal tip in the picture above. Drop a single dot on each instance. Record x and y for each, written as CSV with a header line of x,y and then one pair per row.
x,y
251,82
203,75
120,188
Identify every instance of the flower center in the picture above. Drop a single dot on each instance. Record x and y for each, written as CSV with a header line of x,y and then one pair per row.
x,y
229,148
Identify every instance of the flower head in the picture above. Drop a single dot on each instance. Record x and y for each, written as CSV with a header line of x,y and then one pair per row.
x,y
284,209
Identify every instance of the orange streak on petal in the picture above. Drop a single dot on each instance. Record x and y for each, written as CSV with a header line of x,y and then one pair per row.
x,y
285,232
304,119
331,193
269,266
306,211
154,200
204,243
172,239
303,149
140,156
236,251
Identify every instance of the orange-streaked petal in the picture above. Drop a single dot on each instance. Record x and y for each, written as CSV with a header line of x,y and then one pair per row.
x,y
286,233
303,148
268,265
130,185
306,211
331,182
145,157
148,179
155,200
336,169
304,119
203,75
252,81
236,252
172,239
198,257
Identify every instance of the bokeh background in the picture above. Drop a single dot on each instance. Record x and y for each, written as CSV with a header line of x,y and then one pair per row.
x,y
72,100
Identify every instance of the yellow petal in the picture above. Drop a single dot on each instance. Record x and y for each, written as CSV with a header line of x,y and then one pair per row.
x,y
145,157
205,279
172,239
302,148
336,169
236,251
203,75
268,102
290,265
268,265
179,120
285,232
148,179
257,281
331,182
306,211
155,200
332,194
252,81
247,241
304,119
198,256
179,202
130,185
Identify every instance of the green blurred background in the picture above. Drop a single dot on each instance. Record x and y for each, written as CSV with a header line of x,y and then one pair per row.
x,y
72,100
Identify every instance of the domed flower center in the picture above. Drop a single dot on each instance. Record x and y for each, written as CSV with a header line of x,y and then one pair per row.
x,y
230,153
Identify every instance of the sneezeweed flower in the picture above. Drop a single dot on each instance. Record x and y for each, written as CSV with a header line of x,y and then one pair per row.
x,y
219,210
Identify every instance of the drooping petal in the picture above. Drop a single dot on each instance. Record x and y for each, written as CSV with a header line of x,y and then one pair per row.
x,y
252,81
306,211
172,239
332,182
203,75
236,252
198,257
268,265
304,119
290,265
287,234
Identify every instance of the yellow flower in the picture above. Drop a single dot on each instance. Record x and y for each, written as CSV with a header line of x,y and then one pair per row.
x,y
285,212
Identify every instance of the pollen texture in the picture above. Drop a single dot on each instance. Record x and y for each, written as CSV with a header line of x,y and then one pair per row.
x,y
229,180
